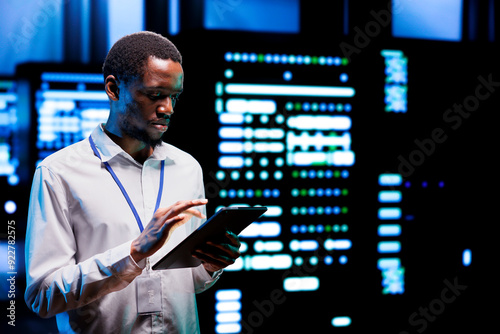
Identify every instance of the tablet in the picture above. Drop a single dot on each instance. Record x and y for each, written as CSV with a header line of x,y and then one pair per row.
x,y
233,218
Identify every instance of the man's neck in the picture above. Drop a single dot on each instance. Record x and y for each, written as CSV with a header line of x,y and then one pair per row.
x,y
135,148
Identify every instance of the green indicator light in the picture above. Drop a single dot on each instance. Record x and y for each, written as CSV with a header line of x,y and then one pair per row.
x,y
328,228
344,209
229,73
260,58
298,106
336,174
295,174
344,228
219,105
303,192
345,192
219,88
6,85
314,60
248,262
345,61
258,193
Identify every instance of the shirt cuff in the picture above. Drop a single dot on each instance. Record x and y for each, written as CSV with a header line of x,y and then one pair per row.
x,y
126,268
216,274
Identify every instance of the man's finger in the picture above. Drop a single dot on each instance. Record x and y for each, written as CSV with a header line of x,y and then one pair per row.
x,y
233,238
179,207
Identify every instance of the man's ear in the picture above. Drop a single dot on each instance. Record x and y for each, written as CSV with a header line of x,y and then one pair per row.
x,y
111,87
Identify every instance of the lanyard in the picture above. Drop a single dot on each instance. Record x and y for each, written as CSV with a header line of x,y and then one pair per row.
x,y
124,192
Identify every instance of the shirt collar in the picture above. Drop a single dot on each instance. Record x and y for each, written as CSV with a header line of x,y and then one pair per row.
x,y
109,149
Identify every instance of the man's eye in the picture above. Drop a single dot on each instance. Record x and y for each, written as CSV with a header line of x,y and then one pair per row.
x,y
159,96
156,96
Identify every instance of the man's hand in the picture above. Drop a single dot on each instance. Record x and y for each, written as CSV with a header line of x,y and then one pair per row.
x,y
161,227
217,255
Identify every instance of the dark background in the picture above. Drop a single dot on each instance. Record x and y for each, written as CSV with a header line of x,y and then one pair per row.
x,y
441,222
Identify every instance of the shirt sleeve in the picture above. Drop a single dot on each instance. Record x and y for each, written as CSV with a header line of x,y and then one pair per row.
x,y
55,281
203,280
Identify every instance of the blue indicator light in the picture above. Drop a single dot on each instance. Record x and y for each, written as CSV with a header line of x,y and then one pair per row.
x,y
294,284
466,257
388,263
389,196
389,213
228,73
287,90
229,294
389,230
389,247
341,321
390,180
287,75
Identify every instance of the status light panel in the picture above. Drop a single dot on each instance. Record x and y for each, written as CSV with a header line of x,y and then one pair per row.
x,y
8,128
285,142
69,106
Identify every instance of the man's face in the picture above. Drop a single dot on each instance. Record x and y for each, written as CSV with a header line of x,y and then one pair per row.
x,y
149,101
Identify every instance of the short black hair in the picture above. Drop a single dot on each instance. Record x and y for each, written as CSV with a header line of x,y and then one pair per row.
x,y
127,57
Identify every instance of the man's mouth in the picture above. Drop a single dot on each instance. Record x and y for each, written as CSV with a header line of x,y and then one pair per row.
x,y
160,124
162,121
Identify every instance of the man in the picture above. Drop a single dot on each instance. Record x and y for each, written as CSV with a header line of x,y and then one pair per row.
x,y
89,245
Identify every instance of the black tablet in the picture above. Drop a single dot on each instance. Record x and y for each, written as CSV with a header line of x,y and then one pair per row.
x,y
234,219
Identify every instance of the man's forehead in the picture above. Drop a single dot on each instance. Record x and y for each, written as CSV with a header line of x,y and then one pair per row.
x,y
163,72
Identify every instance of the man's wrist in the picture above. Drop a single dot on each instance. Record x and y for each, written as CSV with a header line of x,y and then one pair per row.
x,y
135,254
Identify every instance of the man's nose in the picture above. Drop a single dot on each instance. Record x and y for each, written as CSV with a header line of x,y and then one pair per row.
x,y
165,108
